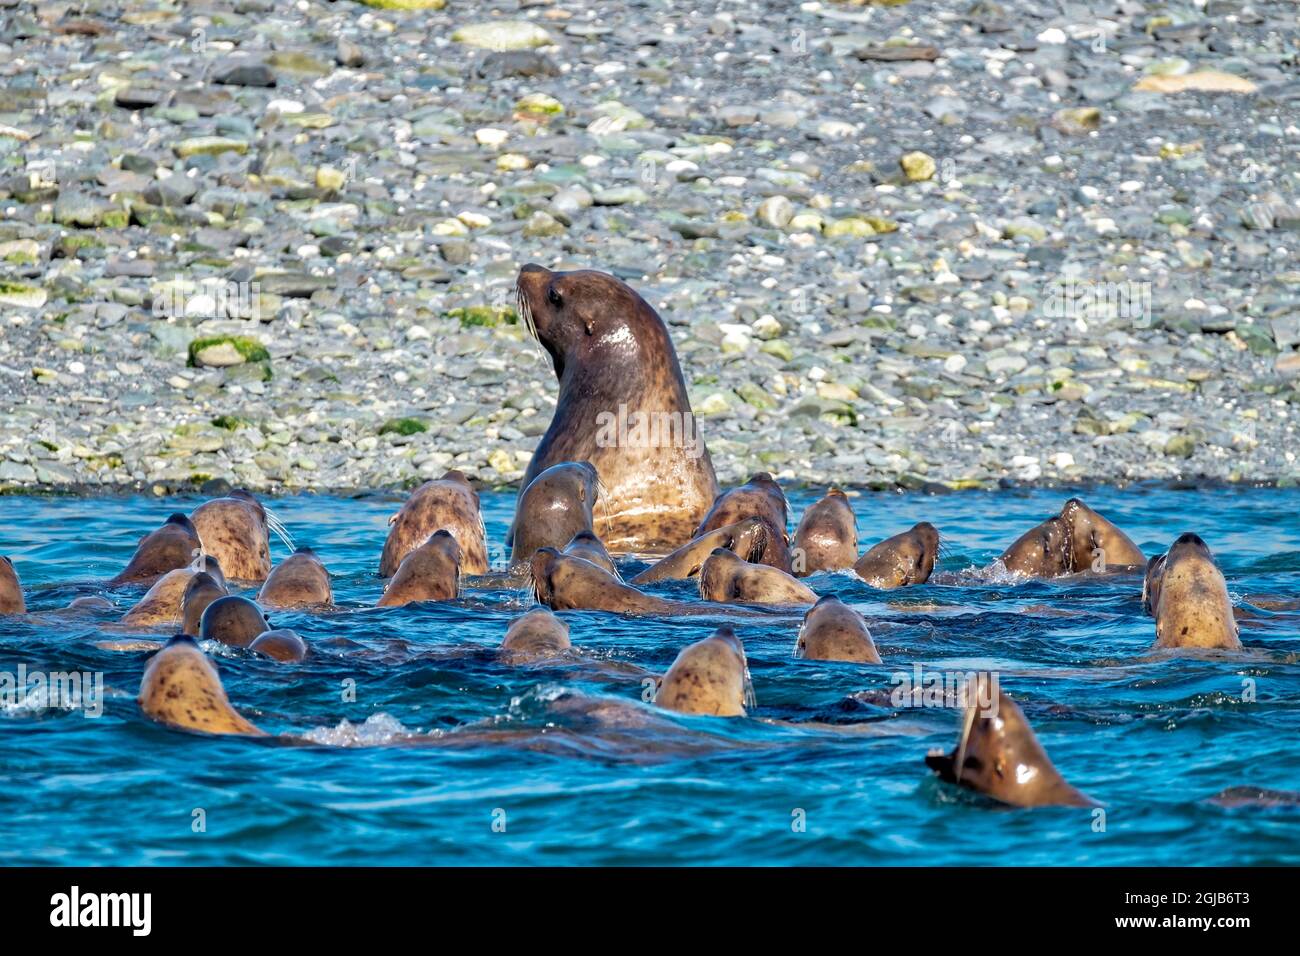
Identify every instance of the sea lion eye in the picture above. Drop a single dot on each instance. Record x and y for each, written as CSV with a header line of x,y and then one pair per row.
x,y
553,296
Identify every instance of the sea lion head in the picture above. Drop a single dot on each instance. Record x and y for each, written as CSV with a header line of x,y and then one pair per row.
x,y
202,590
300,580
1095,542
1044,551
429,573
1187,595
181,688
827,536
449,503
904,559
235,530
727,577
587,546
232,620
709,677
536,634
167,548
583,314
833,631
555,506
283,645
999,755
11,592
761,497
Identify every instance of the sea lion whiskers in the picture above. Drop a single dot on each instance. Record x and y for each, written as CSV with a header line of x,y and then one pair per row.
x,y
526,312
967,724
277,526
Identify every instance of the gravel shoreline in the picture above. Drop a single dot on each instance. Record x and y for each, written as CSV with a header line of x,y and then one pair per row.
x,y
916,245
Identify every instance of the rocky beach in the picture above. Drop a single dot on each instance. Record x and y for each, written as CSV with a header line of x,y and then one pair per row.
x,y
923,245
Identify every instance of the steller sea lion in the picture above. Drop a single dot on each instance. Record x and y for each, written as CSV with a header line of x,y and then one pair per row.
x,y
1185,592
171,546
539,633
11,592
760,497
904,559
727,577
300,580
833,631
449,503
283,645
202,590
181,688
235,531
429,573
164,602
622,406
709,677
747,538
232,620
1044,551
555,506
1096,544
999,756
566,583
587,546
827,536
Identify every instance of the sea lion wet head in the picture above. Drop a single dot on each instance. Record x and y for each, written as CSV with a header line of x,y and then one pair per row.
x,y
727,577
833,631
300,580
429,573
448,503
232,620
169,547
587,546
999,756
235,531
181,689
563,582
162,603
11,592
904,559
1044,551
760,497
537,634
555,506
827,536
746,538
1187,595
201,590
622,406
709,677
1095,543
283,645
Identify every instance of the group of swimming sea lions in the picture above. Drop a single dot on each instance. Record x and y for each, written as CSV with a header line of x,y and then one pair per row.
x,y
584,506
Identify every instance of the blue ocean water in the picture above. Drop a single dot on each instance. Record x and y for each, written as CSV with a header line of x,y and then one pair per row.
x,y
444,740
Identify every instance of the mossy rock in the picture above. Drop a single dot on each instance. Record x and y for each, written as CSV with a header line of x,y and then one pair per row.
x,y
403,426
483,315
224,351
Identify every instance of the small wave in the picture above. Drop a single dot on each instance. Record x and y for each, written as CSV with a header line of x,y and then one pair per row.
x,y
376,730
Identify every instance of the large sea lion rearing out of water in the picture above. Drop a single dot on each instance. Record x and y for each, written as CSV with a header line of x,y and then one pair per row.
x,y
904,559
167,548
429,573
181,688
556,505
622,406
236,531
300,580
448,503
999,756
760,497
827,536
709,677
1185,592
11,591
